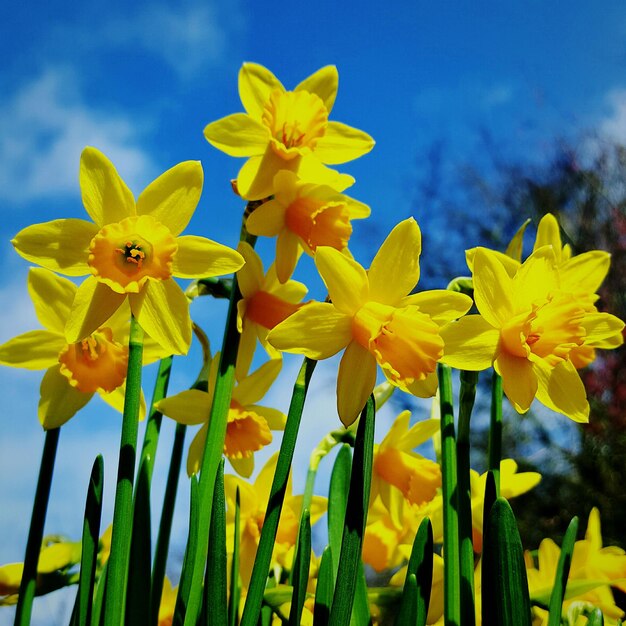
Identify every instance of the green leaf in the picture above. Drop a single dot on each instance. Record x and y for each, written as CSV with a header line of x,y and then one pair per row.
x,y
97,615
356,516
595,618
235,586
562,573
89,551
324,589
360,607
420,566
263,558
495,429
215,603
301,565
504,586
337,502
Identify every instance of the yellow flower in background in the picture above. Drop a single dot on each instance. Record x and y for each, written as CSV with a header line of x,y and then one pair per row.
x,y
56,557
593,571
132,250
264,304
304,216
526,329
249,425
253,500
168,603
287,130
372,316
399,474
74,371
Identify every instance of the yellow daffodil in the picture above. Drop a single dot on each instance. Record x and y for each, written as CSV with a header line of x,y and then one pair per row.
x,y
57,556
253,501
168,603
249,425
593,571
399,473
304,216
132,250
374,318
527,328
74,371
287,130
264,304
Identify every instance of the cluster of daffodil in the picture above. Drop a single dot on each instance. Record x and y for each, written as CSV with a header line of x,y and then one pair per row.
x,y
441,536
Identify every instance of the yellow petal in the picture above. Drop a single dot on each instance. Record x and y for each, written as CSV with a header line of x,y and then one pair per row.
x,y
535,280
252,388
312,170
116,399
59,245
516,245
162,310
600,326
196,451
419,433
342,143
243,466
561,390
247,346
288,251
344,278
585,272
519,380
94,304
198,257
255,180
189,407
398,429
355,382
470,344
250,277
395,269
548,234
275,419
59,401
52,297
172,198
256,83
267,220
238,135
317,330
35,350
105,195
426,388
441,305
493,288
324,83
510,264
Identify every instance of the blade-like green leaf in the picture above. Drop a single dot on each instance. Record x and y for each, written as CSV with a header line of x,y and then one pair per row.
x,y
505,586
89,553
235,587
337,501
360,607
324,589
97,615
262,561
495,429
562,573
420,566
356,516
301,569
215,603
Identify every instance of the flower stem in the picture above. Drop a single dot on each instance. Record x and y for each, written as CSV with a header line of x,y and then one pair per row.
x,y
35,532
123,511
495,429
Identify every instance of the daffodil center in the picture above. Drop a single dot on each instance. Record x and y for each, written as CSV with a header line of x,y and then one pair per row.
x,y
319,223
268,310
405,341
97,363
124,255
246,432
550,330
296,120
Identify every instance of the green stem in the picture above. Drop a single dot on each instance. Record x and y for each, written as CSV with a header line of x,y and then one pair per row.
x,y
495,429
466,404
35,532
123,510
451,570
214,445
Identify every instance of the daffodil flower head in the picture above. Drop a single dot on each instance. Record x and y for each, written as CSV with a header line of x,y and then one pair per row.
x,y
74,371
287,130
372,316
304,216
132,251
528,328
265,303
249,425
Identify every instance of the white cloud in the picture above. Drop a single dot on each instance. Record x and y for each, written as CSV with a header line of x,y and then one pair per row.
x,y
613,126
43,128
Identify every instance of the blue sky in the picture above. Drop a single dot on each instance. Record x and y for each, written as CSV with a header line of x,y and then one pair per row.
x,y
141,81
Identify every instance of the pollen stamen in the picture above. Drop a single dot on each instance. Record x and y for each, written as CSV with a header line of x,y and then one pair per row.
x,y
133,253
